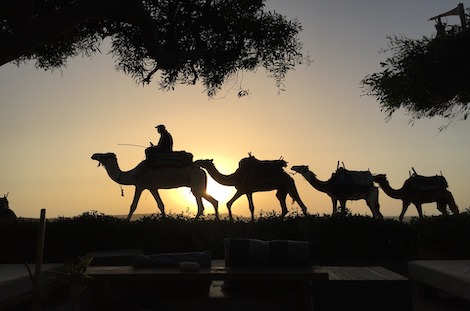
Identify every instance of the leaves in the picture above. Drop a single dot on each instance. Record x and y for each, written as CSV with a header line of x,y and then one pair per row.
x,y
426,77
74,273
183,41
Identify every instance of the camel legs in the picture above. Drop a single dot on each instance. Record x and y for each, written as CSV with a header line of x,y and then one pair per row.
x,y
235,197
419,208
451,202
372,200
405,207
334,201
295,195
281,196
230,202
201,193
200,207
200,204
342,207
448,201
137,193
199,190
159,201
442,207
302,206
251,205
214,203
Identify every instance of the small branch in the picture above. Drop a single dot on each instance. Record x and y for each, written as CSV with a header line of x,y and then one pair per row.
x,y
150,74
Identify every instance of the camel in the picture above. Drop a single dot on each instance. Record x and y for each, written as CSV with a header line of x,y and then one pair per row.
x,y
345,185
151,177
418,190
253,176
5,212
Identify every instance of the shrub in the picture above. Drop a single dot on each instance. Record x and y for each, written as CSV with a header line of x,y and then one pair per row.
x,y
347,239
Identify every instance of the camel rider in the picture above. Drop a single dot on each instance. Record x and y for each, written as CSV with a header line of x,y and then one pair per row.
x,y
165,144
163,155
163,149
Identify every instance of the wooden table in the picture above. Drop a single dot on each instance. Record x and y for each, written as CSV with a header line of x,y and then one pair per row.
x,y
448,276
303,276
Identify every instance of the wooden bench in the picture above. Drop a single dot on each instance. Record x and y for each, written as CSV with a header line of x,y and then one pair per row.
x,y
375,273
362,288
441,278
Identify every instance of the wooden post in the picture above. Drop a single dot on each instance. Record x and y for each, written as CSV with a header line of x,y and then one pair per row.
x,y
36,303
462,16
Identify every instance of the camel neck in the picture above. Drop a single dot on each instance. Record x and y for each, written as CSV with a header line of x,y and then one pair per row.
x,y
393,193
316,183
226,180
115,173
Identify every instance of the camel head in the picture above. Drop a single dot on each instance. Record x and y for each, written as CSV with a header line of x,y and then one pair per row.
x,y
102,158
300,168
4,202
204,163
380,178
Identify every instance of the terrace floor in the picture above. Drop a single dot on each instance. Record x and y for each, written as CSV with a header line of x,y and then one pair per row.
x,y
422,301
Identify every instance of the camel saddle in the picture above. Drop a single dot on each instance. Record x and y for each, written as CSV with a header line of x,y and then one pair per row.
x,y
427,182
346,177
261,166
165,159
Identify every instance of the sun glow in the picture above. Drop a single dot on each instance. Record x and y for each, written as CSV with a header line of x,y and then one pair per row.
x,y
220,192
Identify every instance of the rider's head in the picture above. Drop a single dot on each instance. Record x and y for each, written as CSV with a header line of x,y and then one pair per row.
x,y
160,128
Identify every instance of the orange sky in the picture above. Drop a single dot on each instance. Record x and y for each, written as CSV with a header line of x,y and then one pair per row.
x,y
51,123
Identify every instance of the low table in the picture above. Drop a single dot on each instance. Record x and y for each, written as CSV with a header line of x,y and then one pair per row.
x,y
449,276
103,276
362,288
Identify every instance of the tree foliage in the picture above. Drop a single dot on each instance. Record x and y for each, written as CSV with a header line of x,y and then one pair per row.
x,y
185,41
426,77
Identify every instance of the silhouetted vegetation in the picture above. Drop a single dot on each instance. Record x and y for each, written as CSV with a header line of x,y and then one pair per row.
x,y
338,240
427,77
183,41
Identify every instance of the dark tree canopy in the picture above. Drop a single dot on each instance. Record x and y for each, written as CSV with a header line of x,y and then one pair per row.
x,y
427,77
184,41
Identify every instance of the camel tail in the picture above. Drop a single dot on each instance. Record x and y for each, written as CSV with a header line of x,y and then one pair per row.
x,y
294,194
296,198
452,205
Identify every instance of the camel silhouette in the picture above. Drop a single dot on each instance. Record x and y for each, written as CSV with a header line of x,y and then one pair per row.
x,y
418,190
345,185
253,176
153,177
5,212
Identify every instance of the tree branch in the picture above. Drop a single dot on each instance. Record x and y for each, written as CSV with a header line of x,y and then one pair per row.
x,y
31,34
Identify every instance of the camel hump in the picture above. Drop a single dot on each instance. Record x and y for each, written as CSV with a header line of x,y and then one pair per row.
x,y
427,182
343,176
7,214
164,159
252,163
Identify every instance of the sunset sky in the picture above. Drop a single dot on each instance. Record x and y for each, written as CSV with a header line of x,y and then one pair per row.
x,y
51,123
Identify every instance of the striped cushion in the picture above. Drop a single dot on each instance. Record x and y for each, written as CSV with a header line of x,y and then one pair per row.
x,y
252,252
173,259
